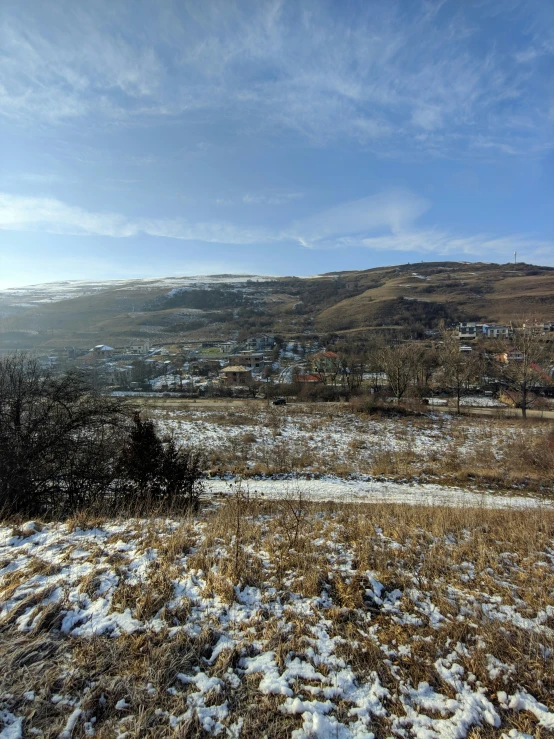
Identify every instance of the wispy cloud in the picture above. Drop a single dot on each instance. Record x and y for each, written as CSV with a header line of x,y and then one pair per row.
x,y
387,221
260,199
427,76
39,178
49,215
443,244
392,210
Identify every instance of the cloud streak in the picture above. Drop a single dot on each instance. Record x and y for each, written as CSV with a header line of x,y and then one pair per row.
x,y
383,222
260,199
392,210
440,243
49,215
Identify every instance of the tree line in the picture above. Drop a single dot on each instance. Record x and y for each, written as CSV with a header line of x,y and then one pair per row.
x,y
522,366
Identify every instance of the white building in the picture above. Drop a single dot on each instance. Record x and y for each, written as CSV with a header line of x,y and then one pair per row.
x,y
469,330
103,350
497,332
486,330
260,343
140,348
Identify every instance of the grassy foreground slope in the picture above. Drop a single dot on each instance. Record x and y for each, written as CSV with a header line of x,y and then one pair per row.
x,y
280,619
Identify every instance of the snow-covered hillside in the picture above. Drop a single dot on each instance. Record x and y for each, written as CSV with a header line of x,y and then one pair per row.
x,y
52,292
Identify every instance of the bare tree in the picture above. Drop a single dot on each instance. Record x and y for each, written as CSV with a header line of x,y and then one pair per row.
x,y
426,361
352,369
326,368
398,363
57,439
65,448
524,365
458,368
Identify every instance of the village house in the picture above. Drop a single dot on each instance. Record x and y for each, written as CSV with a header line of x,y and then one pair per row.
x,y
486,330
307,379
469,330
326,356
251,360
497,332
511,355
102,351
260,343
139,348
205,367
169,382
116,373
48,362
540,327
236,375
323,363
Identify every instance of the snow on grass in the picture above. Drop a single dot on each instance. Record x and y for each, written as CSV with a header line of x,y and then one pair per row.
x,y
260,442
49,292
280,618
308,432
481,401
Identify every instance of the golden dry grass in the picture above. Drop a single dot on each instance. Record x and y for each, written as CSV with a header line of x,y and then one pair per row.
x,y
474,583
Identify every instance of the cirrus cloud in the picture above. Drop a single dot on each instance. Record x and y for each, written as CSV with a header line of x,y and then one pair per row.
x,y
379,75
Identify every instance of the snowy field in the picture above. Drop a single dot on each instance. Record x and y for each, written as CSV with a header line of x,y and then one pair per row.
x,y
251,440
279,620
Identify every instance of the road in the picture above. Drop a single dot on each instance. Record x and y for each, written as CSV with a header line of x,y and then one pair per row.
x,y
498,412
154,400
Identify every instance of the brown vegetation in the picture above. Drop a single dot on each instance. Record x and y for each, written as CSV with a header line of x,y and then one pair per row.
x,y
450,580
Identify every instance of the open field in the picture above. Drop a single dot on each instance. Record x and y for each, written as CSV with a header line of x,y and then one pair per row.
x,y
280,619
252,440
340,490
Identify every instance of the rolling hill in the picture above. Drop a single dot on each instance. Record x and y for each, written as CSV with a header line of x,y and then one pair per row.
x,y
169,310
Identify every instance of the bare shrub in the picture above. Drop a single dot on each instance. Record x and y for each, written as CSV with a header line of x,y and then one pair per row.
x,y
58,440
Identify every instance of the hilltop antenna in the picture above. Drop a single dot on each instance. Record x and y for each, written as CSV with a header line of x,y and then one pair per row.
x,y
515,258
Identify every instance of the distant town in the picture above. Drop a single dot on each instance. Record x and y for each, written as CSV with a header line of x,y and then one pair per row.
x,y
266,365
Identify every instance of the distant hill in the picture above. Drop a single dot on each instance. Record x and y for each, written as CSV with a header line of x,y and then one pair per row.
x,y
179,308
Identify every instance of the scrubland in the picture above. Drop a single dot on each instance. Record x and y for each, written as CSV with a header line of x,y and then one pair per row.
x,y
280,619
330,439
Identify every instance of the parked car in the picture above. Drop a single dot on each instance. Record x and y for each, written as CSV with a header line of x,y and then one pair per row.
x,y
280,401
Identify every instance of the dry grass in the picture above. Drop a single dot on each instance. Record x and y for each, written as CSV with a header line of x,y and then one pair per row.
x,y
399,591
322,439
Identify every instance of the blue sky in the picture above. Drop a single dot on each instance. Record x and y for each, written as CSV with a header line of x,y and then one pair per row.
x,y
161,138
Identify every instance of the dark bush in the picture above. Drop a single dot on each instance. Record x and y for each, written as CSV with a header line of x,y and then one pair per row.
x,y
65,448
157,475
374,405
318,392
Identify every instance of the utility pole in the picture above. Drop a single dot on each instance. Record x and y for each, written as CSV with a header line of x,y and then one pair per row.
x,y
515,258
